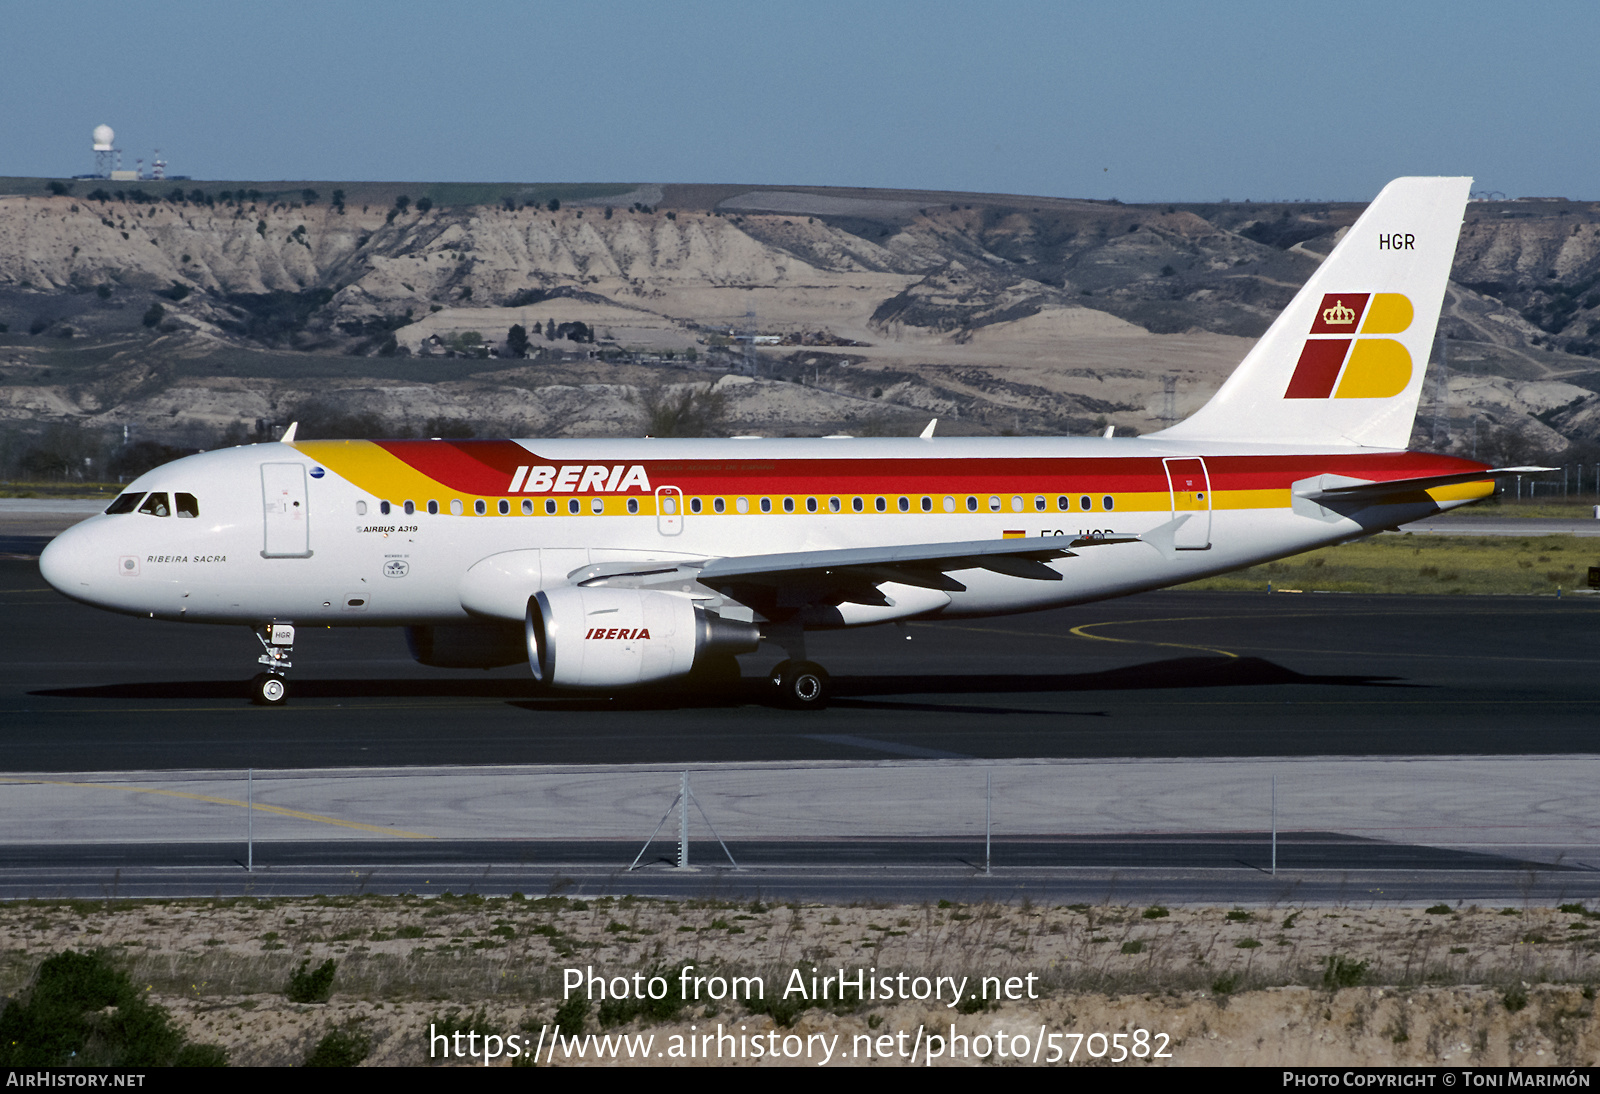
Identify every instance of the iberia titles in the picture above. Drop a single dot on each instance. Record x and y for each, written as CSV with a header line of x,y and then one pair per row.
x,y
578,478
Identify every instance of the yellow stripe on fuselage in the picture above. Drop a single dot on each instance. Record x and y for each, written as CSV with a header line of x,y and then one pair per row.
x,y
386,476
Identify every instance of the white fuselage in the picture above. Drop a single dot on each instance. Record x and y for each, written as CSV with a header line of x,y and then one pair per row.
x,y
349,563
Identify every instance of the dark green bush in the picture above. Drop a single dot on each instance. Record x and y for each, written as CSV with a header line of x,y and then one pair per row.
x,y
306,986
82,1011
340,1048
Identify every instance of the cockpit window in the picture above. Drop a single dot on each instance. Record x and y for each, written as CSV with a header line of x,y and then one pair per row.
x,y
123,504
187,506
156,505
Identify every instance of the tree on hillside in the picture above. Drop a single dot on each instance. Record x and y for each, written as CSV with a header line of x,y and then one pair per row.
x,y
402,203
424,204
555,204
517,340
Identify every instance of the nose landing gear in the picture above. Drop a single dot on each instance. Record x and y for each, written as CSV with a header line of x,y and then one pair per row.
x,y
270,689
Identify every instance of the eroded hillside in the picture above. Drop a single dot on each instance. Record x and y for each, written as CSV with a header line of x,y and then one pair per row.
x,y
183,314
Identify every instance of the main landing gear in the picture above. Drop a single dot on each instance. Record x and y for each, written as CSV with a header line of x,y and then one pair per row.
x,y
801,685
270,689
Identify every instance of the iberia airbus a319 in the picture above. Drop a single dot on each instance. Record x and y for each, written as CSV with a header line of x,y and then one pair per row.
x,y
609,563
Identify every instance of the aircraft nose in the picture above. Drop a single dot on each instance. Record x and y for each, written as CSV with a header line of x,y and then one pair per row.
x,y
67,561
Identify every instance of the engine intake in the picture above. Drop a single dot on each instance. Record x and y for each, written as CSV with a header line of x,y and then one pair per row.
x,y
603,637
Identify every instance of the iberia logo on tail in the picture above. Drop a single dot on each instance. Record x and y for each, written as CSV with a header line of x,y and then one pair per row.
x,y
1342,349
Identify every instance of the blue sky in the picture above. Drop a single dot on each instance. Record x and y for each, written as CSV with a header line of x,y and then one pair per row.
x,y
1140,101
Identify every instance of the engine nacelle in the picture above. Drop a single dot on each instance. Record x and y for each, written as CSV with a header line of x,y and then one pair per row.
x,y
604,637
468,645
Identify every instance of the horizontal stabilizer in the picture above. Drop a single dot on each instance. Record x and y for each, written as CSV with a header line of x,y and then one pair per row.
x,y
1344,488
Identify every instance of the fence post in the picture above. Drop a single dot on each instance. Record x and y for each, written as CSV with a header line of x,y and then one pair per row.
x,y
1274,825
988,794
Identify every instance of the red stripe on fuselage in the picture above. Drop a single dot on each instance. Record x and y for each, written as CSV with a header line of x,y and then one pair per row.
x,y
486,468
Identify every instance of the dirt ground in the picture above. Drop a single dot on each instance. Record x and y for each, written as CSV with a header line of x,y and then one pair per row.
x,y
1207,986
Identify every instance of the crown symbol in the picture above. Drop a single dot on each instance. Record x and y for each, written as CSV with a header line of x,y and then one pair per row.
x,y
1338,315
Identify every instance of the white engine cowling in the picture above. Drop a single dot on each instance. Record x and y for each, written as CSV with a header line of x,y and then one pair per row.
x,y
603,637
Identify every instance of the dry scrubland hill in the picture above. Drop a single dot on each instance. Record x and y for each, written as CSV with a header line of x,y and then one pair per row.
x,y
995,313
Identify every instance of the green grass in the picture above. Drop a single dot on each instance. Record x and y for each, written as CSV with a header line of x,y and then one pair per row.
x,y
1573,508
1413,564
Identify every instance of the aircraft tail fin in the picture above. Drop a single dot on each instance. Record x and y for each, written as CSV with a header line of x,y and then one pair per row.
x,y
1344,363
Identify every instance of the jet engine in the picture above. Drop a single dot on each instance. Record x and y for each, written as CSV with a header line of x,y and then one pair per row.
x,y
606,637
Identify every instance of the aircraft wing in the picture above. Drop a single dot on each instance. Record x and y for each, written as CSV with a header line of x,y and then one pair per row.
x,y
853,573
1020,557
1343,488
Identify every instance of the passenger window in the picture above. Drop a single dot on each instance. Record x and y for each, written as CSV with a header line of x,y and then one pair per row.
x,y
972,504
1085,504
574,506
455,507
633,505
994,504
124,504
433,508
905,505
694,505
1016,503
743,505
527,507
410,508
766,505
949,504
185,505
1108,502
1062,504
361,508
383,507
717,505
550,506
480,507
156,506
855,503
927,505
881,505
597,506
1038,504
811,505
504,507
833,505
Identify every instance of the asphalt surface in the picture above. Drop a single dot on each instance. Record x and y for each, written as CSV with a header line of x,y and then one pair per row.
x,y
1169,674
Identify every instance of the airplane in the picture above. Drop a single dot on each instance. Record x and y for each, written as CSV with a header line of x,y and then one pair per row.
x,y
611,563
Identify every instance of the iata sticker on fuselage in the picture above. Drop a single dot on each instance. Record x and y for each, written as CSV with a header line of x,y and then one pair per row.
x,y
580,478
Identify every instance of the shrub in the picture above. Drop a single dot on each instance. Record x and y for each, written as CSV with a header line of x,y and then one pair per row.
x,y
340,1048
1156,911
1439,909
1343,972
311,987
84,1012
154,315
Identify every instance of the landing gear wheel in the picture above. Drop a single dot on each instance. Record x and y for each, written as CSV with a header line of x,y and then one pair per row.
x,y
801,685
268,690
